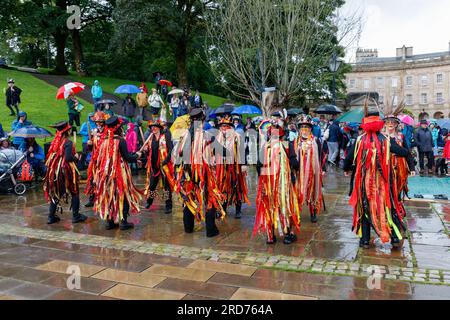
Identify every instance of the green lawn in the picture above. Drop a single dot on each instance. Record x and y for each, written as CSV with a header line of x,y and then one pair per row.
x,y
38,101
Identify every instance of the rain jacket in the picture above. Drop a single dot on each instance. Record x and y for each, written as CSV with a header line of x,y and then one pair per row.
x,y
38,153
84,129
17,125
424,140
131,138
96,90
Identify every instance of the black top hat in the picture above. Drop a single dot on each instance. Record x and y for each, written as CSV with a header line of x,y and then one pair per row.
x,y
424,121
61,126
112,122
197,114
11,81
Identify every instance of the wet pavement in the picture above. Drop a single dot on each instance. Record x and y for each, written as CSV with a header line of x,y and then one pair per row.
x,y
158,260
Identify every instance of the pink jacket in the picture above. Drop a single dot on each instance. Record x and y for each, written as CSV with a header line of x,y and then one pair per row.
x,y
131,138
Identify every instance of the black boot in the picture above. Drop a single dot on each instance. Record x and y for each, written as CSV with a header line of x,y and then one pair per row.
x,y
52,217
273,241
110,225
125,225
289,238
238,214
395,241
210,221
364,243
149,203
365,239
314,217
168,209
188,220
77,217
90,203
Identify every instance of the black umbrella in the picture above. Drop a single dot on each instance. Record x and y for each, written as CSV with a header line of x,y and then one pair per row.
x,y
224,109
328,109
295,112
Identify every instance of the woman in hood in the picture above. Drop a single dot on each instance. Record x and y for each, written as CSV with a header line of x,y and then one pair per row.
x,y
17,124
97,94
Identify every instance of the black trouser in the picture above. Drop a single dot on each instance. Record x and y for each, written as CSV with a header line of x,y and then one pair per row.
x,y
15,105
74,117
82,162
210,221
238,206
154,184
365,228
430,159
74,204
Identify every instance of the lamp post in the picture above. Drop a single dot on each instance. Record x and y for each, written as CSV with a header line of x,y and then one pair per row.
x,y
334,65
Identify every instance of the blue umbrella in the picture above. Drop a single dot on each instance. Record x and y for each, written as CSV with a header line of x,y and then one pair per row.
x,y
31,132
128,89
444,123
247,109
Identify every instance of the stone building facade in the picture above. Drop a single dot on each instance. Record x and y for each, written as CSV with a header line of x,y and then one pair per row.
x,y
422,81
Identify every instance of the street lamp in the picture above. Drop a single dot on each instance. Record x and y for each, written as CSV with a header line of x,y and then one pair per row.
x,y
334,64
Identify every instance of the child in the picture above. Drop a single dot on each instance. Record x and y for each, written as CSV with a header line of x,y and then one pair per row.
x,y
132,143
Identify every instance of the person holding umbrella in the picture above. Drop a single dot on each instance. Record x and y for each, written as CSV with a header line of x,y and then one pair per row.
x,y
74,108
21,122
62,176
142,99
129,108
13,97
35,155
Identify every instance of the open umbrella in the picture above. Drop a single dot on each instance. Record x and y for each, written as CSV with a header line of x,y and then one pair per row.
x,y
328,109
31,132
223,109
444,123
176,91
165,82
128,89
247,109
180,126
406,119
107,101
355,115
68,89
295,112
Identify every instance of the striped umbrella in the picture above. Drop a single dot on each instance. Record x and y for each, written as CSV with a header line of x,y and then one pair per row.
x,y
68,89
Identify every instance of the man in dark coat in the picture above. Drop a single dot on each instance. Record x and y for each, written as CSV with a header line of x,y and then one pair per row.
x,y
424,141
13,97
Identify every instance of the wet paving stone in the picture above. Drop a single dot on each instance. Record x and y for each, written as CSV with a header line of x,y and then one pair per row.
x,y
434,257
33,291
431,239
340,251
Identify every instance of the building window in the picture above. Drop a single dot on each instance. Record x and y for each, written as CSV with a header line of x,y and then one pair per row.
x,y
352,83
380,82
381,99
423,98
424,80
366,84
409,100
394,82
394,100
439,78
439,98
409,81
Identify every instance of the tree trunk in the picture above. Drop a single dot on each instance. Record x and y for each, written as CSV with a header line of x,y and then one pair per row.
x,y
78,53
181,57
60,42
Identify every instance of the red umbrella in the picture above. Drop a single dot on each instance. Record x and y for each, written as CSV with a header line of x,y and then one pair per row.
x,y
165,82
69,88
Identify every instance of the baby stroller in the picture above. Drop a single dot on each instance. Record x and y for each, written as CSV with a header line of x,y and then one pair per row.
x,y
10,162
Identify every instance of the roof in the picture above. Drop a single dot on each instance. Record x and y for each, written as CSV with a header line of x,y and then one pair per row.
x,y
428,57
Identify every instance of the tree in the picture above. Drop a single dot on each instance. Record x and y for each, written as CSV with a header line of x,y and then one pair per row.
x,y
281,43
174,22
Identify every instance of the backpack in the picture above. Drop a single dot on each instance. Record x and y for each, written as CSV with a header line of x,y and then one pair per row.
x,y
25,173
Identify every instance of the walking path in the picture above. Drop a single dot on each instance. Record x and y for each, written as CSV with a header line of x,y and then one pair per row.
x,y
157,260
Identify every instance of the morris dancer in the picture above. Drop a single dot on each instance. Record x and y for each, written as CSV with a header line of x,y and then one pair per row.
x,y
401,167
372,198
308,168
62,175
197,184
277,204
230,171
115,193
159,165
97,137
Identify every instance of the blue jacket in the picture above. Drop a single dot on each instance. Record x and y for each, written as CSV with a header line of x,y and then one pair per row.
x,y
84,130
96,90
17,125
335,133
316,131
38,153
408,133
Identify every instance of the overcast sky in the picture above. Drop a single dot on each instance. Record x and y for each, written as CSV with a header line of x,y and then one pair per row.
x,y
389,24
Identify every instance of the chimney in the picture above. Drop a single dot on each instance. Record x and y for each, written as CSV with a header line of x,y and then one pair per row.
x,y
406,52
